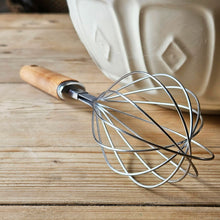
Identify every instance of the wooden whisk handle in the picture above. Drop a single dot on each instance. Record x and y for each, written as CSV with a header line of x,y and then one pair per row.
x,y
43,79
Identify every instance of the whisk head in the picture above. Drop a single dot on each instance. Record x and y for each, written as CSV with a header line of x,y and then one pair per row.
x,y
150,148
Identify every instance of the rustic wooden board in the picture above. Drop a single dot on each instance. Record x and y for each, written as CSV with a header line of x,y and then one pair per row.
x,y
35,21
47,152
79,175
111,213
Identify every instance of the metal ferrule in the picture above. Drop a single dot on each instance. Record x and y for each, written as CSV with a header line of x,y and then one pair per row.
x,y
67,86
75,90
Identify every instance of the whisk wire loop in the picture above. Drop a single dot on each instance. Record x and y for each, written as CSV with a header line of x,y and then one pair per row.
x,y
105,118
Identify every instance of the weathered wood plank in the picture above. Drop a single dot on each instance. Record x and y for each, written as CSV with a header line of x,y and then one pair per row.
x,y
103,212
40,43
65,175
35,21
82,69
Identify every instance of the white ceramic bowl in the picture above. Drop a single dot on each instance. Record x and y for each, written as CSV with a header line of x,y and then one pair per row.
x,y
178,37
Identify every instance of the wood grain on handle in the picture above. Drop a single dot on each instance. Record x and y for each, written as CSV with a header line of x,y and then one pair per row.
x,y
43,79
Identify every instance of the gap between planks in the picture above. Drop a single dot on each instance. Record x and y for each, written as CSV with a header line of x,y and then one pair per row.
x,y
107,205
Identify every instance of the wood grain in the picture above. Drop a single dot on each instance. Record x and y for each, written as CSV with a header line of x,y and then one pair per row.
x,y
70,175
35,21
46,157
43,78
111,213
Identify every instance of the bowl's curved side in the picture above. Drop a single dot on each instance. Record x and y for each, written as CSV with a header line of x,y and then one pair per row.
x,y
162,36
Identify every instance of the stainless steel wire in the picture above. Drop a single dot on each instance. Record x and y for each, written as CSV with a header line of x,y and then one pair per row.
x,y
121,125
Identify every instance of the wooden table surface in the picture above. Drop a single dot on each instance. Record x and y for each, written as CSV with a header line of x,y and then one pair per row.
x,y
50,166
